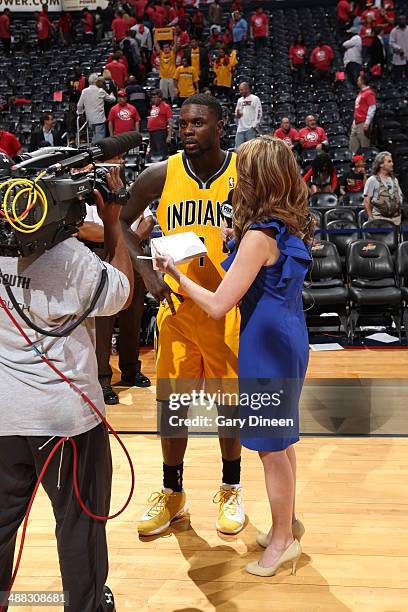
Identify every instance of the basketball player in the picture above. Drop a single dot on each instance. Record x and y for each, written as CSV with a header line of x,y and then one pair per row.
x,y
191,347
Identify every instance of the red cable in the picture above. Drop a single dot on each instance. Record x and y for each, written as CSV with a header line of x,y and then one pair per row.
x,y
74,449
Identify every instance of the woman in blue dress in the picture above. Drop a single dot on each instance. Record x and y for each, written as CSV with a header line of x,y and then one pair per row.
x,y
265,274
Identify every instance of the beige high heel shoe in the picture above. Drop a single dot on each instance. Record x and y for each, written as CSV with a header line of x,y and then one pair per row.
x,y
292,553
298,530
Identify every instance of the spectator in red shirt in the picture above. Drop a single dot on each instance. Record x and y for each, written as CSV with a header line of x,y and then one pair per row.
x,y
297,59
367,35
181,38
312,136
321,59
65,28
87,23
364,111
197,21
287,133
343,12
140,6
354,181
123,117
5,33
159,126
386,20
9,143
43,29
370,10
118,70
161,14
172,16
120,27
259,29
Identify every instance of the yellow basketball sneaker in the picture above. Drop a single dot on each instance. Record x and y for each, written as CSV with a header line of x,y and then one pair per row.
x,y
166,506
231,515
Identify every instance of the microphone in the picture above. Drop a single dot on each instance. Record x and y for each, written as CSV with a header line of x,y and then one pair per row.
x,y
227,213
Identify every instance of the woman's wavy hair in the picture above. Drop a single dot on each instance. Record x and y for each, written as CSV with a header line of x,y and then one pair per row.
x,y
269,186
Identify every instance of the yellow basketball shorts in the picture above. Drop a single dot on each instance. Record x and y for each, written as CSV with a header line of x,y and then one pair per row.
x,y
193,350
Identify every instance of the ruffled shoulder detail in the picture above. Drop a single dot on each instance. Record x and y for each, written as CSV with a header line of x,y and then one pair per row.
x,y
288,244
295,257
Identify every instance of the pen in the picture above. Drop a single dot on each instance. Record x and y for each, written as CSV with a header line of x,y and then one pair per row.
x,y
143,257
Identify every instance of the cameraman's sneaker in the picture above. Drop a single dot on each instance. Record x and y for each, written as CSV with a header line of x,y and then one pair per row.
x,y
108,601
166,506
231,515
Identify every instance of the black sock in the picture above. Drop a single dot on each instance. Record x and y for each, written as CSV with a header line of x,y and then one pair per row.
x,y
231,471
173,477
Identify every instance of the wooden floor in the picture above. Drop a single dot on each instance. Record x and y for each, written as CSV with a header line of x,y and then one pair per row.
x,y
352,497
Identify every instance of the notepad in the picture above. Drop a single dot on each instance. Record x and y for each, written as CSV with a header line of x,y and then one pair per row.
x,y
382,337
182,247
329,346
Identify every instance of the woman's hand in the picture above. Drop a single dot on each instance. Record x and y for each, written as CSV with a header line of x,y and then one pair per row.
x,y
226,232
166,264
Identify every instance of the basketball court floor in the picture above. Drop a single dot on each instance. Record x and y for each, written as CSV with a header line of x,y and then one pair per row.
x,y
352,495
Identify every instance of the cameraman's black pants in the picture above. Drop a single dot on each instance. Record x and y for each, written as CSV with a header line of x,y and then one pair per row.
x,y
82,548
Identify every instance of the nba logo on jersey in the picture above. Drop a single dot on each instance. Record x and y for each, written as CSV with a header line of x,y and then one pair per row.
x,y
231,182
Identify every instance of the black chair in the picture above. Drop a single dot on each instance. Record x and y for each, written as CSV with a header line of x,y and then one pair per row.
x,y
402,271
382,231
369,153
339,214
404,223
323,200
362,217
373,289
355,198
342,232
339,141
308,155
326,292
341,154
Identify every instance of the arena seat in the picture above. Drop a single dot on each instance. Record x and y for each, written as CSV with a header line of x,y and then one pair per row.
x,y
384,231
342,232
323,200
326,291
339,214
355,198
402,271
373,288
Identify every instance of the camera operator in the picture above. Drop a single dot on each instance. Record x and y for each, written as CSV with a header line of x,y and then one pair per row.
x,y
38,408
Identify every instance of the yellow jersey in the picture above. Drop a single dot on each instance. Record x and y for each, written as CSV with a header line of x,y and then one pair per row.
x,y
190,204
195,60
223,74
167,65
186,77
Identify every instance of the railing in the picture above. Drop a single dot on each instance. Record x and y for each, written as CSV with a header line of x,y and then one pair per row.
x,y
81,128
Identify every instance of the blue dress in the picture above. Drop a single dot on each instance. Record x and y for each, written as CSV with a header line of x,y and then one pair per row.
x,y
274,347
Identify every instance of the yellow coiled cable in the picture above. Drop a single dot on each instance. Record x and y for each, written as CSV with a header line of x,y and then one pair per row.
x,y
35,193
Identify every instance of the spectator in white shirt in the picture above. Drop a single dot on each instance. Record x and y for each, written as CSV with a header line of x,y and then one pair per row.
x,y
353,57
249,114
399,48
92,103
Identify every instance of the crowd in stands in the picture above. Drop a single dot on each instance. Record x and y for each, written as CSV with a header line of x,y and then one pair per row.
x,y
331,81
